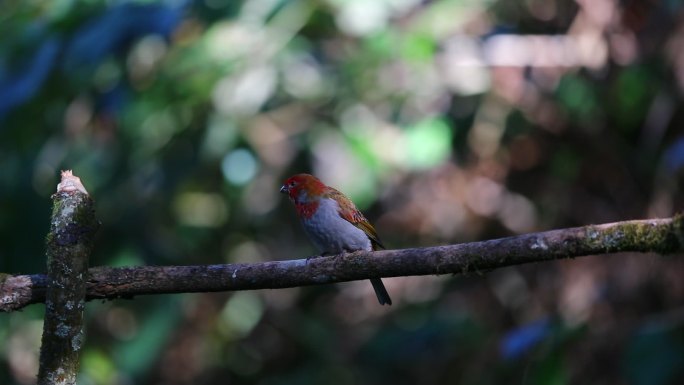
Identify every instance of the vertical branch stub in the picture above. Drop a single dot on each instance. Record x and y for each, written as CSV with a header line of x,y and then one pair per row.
x,y
69,244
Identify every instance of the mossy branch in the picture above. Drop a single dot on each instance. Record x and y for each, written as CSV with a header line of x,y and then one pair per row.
x,y
662,236
69,244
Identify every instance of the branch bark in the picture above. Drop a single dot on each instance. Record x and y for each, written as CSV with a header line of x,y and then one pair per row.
x,y
662,236
69,244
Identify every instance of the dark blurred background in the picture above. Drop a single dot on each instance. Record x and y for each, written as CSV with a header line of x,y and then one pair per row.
x,y
445,121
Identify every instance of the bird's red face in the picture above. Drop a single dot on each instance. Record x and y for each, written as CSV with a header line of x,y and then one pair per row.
x,y
302,187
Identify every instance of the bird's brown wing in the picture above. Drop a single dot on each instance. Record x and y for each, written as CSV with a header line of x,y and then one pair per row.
x,y
350,213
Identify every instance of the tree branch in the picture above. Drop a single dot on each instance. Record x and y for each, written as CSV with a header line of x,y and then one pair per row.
x,y
662,236
69,244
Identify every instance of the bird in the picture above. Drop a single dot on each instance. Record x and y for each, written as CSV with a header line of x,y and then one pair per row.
x,y
332,222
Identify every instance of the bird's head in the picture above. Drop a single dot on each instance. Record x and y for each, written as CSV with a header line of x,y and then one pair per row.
x,y
302,187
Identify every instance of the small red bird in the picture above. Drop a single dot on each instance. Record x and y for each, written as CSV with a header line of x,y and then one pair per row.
x,y
332,222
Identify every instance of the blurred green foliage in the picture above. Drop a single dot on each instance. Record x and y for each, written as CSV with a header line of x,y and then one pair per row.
x,y
446,121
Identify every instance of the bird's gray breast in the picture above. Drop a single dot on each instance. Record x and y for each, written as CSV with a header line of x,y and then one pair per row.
x,y
331,233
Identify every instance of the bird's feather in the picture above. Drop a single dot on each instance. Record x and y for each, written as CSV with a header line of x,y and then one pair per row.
x,y
350,213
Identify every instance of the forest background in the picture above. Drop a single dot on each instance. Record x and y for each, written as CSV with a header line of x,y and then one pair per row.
x,y
445,121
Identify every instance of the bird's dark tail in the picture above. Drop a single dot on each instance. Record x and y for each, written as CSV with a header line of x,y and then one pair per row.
x,y
381,292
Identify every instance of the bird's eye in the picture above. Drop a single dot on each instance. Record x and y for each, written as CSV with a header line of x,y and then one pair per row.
x,y
292,184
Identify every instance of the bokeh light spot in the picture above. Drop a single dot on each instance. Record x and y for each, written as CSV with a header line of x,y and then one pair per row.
x,y
247,92
200,209
239,166
98,366
337,166
241,314
429,144
359,18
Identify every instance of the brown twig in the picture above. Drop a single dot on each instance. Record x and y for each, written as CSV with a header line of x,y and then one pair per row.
x,y
663,236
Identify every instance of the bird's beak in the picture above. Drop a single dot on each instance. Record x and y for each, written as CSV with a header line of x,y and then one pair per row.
x,y
283,189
